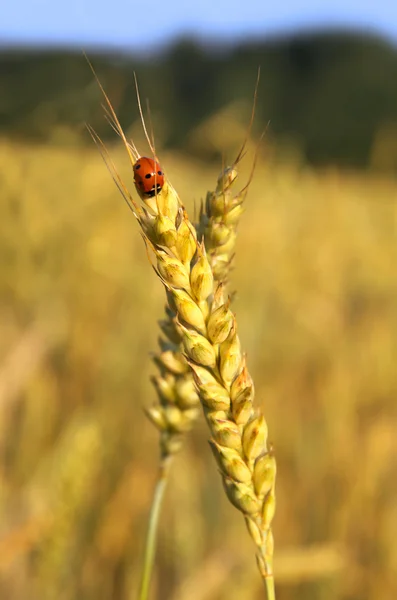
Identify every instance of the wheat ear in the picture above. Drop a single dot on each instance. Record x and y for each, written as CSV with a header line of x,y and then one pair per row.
x,y
212,349
178,403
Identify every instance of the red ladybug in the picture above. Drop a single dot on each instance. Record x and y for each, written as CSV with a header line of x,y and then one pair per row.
x,y
149,176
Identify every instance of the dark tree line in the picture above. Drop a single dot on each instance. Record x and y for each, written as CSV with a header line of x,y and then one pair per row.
x,y
332,92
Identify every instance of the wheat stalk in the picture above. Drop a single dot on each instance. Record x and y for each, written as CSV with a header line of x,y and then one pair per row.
x,y
199,316
178,402
212,349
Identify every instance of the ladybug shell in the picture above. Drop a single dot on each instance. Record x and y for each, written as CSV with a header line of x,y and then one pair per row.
x,y
149,176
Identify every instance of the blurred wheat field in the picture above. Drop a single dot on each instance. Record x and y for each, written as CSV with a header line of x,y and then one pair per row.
x,y
316,303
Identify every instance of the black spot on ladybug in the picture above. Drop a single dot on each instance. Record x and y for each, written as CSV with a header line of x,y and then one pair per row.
x,y
159,172
138,166
148,175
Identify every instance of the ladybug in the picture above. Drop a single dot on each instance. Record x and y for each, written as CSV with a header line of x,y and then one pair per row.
x,y
149,176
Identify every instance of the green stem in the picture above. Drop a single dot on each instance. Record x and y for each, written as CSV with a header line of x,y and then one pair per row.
x,y
151,537
269,586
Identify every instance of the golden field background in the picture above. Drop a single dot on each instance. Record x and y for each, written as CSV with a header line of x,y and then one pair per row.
x,y
317,310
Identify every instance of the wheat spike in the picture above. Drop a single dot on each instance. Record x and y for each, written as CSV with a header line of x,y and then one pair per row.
x,y
206,346
202,320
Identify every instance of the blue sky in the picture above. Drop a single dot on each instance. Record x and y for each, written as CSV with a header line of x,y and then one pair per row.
x,y
141,25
